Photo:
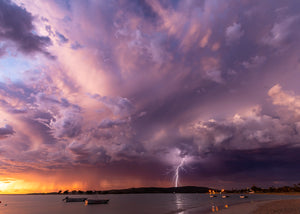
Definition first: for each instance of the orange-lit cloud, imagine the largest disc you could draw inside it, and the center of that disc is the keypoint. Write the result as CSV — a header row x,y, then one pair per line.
x,y
284,98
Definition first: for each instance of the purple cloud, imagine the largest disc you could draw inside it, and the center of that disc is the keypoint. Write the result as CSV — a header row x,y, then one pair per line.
x,y
155,82
76,45
6,131
234,32
16,25
61,38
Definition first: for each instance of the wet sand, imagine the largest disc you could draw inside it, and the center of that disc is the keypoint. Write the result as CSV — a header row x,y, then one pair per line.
x,y
290,206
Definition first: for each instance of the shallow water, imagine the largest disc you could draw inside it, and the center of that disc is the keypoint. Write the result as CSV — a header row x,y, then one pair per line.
x,y
124,203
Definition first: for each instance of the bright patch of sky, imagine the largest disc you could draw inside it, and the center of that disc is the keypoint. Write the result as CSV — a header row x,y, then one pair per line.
x,y
13,68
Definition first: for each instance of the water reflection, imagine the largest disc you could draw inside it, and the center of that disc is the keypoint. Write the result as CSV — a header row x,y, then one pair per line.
x,y
179,201
218,202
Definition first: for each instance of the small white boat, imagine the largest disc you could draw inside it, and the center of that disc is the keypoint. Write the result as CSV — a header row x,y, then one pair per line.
x,y
225,196
212,196
243,196
67,199
96,201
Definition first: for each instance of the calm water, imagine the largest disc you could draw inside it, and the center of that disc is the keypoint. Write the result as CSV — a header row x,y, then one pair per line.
x,y
123,204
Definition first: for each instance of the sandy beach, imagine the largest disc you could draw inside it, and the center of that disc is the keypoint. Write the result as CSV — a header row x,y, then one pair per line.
x,y
291,206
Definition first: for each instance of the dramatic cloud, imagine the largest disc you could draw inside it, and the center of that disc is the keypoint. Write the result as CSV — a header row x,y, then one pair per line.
x,y
6,131
242,132
282,98
16,25
282,30
136,86
61,38
234,32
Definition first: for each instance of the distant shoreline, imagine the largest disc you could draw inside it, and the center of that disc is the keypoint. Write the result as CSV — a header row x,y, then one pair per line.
x,y
285,190
116,192
141,190
150,190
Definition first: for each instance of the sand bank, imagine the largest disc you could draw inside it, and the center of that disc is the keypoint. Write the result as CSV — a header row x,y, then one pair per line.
x,y
290,206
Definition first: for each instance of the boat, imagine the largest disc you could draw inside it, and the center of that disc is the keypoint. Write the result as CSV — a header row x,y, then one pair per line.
x,y
67,199
225,196
212,196
96,201
243,196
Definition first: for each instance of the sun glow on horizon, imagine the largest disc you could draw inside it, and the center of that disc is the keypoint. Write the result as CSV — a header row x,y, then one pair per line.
x,y
36,184
19,186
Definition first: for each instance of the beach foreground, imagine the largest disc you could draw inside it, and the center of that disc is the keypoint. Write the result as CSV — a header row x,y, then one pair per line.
x,y
290,206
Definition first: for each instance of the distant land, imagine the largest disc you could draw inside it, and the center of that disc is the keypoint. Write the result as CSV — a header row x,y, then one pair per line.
x,y
185,189
141,190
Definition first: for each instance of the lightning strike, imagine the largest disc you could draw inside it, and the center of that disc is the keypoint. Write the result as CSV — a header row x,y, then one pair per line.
x,y
177,171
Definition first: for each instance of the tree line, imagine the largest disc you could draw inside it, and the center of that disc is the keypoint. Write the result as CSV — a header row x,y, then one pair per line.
x,y
294,188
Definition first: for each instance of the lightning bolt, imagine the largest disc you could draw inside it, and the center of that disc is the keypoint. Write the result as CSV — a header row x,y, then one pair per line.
x,y
177,171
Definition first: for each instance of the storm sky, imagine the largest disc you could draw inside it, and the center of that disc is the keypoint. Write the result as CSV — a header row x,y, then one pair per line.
x,y
115,93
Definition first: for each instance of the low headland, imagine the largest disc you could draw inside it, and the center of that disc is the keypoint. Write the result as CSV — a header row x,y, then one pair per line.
x,y
295,189
141,190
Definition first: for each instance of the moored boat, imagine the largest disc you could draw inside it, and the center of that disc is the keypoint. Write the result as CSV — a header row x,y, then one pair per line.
x,y
67,199
96,201
243,196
